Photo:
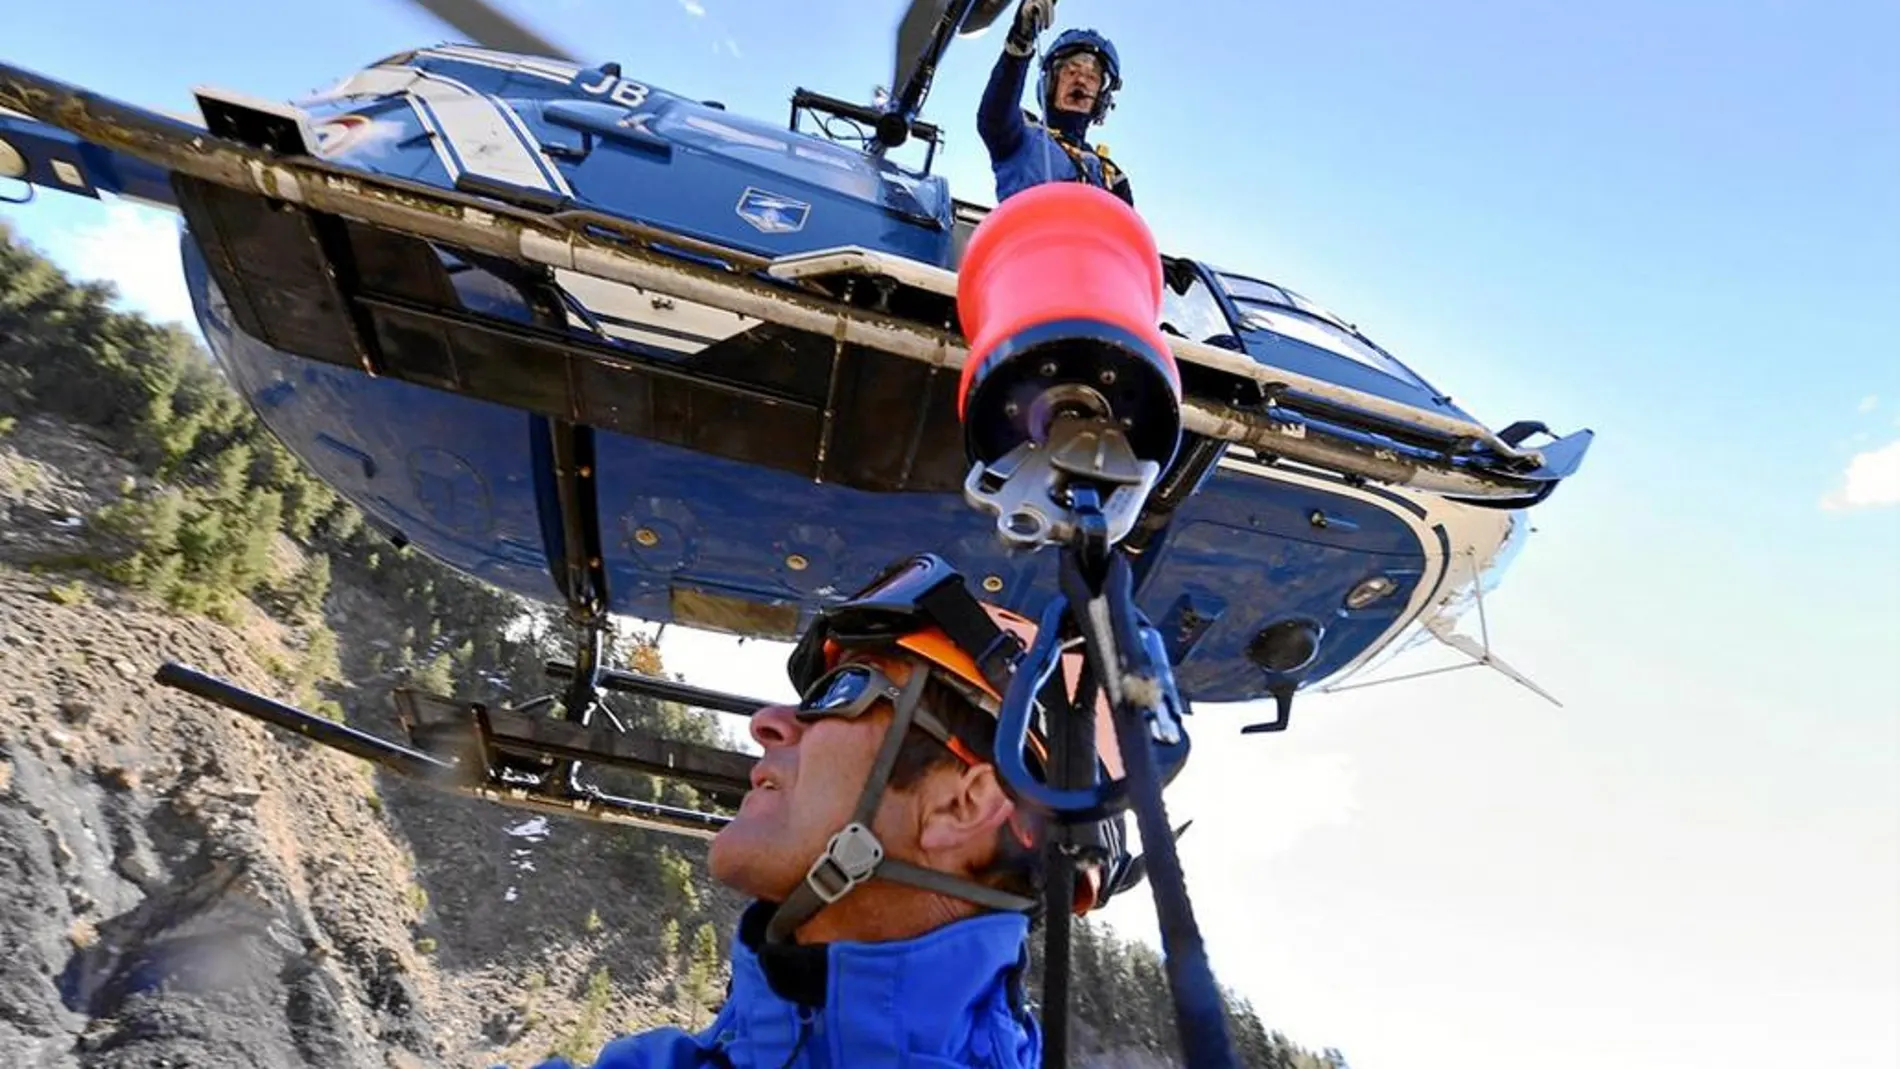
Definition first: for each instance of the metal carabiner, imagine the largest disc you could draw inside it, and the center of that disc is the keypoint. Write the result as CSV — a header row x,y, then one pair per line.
x,y
1068,806
1123,642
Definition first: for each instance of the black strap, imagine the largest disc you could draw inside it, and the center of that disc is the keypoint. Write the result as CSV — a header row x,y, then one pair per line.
x,y
854,854
1111,172
953,886
952,607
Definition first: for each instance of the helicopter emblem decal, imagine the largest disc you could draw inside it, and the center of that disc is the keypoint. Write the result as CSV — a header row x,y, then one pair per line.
x,y
771,213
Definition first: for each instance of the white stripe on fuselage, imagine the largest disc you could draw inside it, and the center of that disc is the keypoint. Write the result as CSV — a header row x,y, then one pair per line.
x,y
437,141
470,131
553,70
638,308
480,135
533,144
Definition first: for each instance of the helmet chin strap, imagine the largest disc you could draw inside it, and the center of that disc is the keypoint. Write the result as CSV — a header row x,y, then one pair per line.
x,y
855,855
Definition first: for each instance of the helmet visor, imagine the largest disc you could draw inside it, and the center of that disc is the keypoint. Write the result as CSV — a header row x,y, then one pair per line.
x,y
1082,63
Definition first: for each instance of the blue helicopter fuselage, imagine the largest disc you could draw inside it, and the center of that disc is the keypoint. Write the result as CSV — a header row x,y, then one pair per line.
x,y
705,538
619,145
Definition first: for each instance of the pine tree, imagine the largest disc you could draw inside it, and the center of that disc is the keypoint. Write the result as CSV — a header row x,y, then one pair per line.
x,y
702,970
309,586
669,945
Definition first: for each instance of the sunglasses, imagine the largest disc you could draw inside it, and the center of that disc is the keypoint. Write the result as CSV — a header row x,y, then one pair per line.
x,y
851,690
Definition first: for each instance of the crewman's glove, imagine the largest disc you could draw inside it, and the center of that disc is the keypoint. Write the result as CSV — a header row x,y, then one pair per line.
x,y
1032,17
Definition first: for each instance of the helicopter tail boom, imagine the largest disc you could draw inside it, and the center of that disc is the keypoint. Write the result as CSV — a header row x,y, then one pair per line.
x,y
40,155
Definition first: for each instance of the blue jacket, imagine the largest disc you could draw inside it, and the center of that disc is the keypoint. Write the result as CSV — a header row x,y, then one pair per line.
x,y
1025,153
952,997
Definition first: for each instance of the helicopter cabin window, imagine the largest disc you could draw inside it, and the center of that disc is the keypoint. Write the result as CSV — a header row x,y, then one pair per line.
x,y
1264,306
1190,310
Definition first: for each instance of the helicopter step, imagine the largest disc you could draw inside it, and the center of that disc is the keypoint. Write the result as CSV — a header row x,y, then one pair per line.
x,y
385,303
513,757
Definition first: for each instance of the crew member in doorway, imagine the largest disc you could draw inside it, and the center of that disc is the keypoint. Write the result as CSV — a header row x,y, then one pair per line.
x,y
1075,88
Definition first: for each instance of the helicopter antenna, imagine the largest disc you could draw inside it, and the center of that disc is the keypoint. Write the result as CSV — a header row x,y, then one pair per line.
x,y
1479,651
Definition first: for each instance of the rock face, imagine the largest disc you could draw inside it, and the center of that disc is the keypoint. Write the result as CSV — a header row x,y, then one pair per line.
x,y
182,886
176,886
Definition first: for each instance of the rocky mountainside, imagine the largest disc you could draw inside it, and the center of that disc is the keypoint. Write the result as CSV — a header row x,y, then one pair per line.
x,y
182,886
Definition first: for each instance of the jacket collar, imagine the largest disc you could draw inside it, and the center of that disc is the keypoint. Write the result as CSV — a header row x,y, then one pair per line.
x,y
953,992
796,972
1070,124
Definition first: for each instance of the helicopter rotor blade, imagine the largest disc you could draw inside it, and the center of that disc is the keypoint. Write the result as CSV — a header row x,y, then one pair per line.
x,y
490,27
924,33
916,32
981,16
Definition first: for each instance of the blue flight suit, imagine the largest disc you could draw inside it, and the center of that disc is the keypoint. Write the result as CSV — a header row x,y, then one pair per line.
x,y
951,997
1024,153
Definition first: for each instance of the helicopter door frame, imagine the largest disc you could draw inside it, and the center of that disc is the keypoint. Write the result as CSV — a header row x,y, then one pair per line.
x,y
1206,276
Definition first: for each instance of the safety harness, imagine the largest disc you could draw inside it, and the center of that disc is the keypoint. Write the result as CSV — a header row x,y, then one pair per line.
x,y
1080,154
1111,174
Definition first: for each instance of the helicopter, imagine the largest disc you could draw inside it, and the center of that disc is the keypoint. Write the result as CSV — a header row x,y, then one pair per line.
x,y
598,343
617,349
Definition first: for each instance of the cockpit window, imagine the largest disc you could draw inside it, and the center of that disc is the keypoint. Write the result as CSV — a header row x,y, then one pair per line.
x,y
1189,308
1248,289
1264,306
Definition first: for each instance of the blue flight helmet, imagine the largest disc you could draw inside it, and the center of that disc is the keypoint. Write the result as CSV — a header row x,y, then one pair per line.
x,y
1066,45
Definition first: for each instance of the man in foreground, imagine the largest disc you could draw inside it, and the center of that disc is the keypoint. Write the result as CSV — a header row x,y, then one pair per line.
x,y
895,875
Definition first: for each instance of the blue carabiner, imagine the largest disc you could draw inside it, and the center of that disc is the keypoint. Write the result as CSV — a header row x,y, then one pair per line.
x,y
1141,653
1170,757
1069,806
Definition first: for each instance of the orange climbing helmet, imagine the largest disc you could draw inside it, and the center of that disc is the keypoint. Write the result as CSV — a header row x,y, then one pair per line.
x,y
921,608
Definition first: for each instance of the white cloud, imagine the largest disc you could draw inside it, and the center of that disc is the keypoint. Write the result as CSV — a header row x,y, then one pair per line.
x,y
1872,479
693,8
136,249
733,47
1869,403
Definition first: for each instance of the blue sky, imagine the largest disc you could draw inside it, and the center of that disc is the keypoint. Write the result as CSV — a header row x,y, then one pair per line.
x,y
1678,225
